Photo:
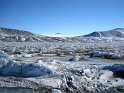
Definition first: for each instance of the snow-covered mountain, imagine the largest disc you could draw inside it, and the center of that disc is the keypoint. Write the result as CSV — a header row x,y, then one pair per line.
x,y
13,32
14,35
118,32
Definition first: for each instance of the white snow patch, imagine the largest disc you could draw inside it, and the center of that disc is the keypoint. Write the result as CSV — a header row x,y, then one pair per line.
x,y
106,75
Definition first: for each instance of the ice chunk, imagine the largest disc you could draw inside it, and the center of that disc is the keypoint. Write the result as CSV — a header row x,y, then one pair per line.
x,y
107,75
56,91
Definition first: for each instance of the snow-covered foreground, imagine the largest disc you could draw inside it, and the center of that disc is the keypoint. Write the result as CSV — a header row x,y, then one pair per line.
x,y
60,76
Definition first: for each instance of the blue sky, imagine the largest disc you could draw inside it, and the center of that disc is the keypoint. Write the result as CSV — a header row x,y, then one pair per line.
x,y
74,17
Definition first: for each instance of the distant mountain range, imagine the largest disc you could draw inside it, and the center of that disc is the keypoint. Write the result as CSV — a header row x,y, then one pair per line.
x,y
12,32
118,32
14,35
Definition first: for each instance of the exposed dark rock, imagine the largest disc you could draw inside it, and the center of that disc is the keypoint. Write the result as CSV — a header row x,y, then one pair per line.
x,y
119,73
60,54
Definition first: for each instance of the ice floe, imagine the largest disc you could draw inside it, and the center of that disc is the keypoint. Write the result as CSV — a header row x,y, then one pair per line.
x,y
62,76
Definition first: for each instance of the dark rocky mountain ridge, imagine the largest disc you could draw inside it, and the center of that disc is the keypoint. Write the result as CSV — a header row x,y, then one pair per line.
x,y
14,35
13,32
118,32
